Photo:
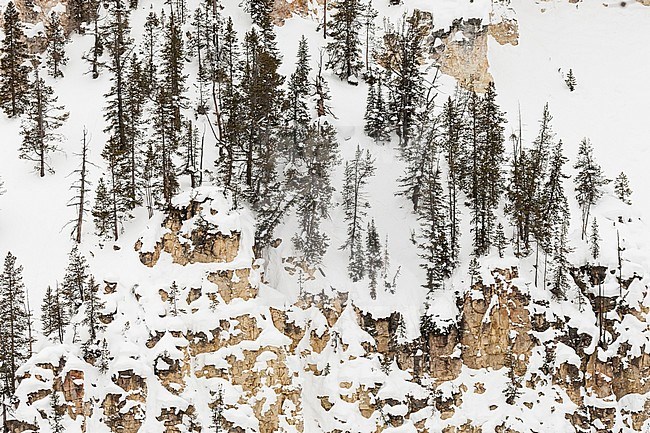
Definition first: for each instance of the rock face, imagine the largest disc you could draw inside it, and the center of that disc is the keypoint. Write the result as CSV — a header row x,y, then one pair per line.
x,y
217,355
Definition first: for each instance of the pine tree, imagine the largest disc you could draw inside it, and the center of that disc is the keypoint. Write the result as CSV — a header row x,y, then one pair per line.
x,y
73,289
374,259
133,104
42,119
217,411
368,20
116,151
14,74
357,172
149,182
313,190
622,188
102,212
500,240
571,80
433,241
150,49
260,11
93,305
321,91
345,50
589,181
297,115
376,118
81,187
512,390
595,240
55,407
56,40
13,321
525,193
96,51
104,357
174,293
401,56
560,266
451,124
54,316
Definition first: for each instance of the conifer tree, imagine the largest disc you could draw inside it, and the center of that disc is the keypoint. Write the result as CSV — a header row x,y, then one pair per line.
x,y
622,188
368,20
96,51
260,11
150,49
345,49
81,187
116,151
55,407
133,104
105,224
401,56
54,316
560,266
149,181
525,193
376,118
589,181
14,74
13,321
42,119
56,40
321,91
451,123
297,115
217,411
500,240
595,240
313,191
93,305
174,293
173,78
433,242
104,357
73,289
374,259
571,80
356,175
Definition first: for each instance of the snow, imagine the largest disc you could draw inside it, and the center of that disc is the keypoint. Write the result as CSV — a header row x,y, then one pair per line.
x,y
604,46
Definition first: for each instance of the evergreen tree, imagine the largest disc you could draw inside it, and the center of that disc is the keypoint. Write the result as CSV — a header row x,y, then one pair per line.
x,y
321,91
43,117
297,115
500,240
96,51
525,193
13,321
149,182
368,20
56,40
589,181
217,411
374,259
150,49
433,242
451,124
595,240
55,406
174,293
357,172
54,316
73,289
260,11
81,187
93,305
401,56
512,390
345,50
560,266
133,104
105,224
377,125
571,80
313,191
14,74
173,78
622,188
116,151
104,357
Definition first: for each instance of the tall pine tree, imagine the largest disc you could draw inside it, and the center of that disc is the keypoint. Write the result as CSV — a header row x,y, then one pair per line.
x,y
14,73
